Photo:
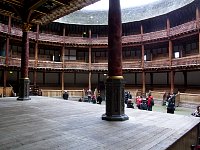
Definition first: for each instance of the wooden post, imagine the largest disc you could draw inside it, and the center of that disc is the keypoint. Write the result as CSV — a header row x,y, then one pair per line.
x,y
143,82
115,80
63,81
24,80
168,27
170,52
172,81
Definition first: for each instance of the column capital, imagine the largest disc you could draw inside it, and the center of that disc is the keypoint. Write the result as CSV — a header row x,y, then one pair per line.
x,y
26,27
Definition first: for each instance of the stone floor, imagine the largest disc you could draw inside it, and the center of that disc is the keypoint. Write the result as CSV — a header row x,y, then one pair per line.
x,y
53,123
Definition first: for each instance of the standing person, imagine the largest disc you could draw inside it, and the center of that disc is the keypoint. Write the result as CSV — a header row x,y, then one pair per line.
x,y
171,104
150,102
99,99
164,98
89,94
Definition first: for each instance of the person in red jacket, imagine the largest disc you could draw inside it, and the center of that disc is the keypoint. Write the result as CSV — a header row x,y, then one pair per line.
x,y
150,102
139,101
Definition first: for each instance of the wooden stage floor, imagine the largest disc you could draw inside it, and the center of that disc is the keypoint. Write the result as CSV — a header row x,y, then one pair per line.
x,y
53,123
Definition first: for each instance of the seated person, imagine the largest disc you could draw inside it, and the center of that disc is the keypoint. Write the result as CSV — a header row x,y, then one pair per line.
x,y
197,112
139,101
65,95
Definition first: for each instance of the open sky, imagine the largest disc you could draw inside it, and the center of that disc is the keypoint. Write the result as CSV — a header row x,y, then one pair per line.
x,y
103,4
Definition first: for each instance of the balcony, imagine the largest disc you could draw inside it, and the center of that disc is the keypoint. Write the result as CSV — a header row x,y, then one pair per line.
x,y
190,61
43,37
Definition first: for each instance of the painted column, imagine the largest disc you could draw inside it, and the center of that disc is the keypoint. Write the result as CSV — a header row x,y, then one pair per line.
x,y
143,72
198,25
36,56
63,81
7,55
24,80
172,81
115,81
90,73
170,64
90,63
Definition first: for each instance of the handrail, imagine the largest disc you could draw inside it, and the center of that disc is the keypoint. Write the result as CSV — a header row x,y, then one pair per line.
x,y
177,30
127,64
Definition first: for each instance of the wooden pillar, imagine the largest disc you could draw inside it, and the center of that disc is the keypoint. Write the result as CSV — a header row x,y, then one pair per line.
x,y
89,85
143,82
199,42
168,27
5,74
172,81
143,72
63,81
115,80
170,64
8,41
170,52
24,80
34,78
197,16
90,73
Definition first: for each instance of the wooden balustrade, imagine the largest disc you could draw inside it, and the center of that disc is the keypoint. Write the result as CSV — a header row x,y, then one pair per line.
x,y
157,63
164,63
99,40
99,66
132,65
155,35
186,61
51,38
15,62
76,65
132,39
2,60
77,40
3,28
186,27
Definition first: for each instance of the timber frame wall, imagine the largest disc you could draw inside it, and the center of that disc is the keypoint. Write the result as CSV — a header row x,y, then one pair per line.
x,y
146,50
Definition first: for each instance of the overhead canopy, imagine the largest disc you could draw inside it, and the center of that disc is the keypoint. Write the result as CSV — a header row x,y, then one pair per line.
x,y
100,17
41,11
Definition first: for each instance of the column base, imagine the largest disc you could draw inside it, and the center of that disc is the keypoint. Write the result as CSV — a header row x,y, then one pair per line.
x,y
115,117
24,89
115,100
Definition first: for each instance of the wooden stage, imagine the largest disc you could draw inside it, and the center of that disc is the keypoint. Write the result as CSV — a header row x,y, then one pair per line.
x,y
54,123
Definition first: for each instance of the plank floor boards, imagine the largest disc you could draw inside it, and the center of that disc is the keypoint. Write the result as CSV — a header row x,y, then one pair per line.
x,y
54,123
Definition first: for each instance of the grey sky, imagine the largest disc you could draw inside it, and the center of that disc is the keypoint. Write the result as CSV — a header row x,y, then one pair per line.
x,y
103,4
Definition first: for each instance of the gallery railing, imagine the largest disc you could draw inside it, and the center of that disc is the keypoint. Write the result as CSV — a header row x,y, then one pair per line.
x,y
183,28
189,61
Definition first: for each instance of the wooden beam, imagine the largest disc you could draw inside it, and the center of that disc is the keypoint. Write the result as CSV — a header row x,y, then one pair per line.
x,y
37,4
